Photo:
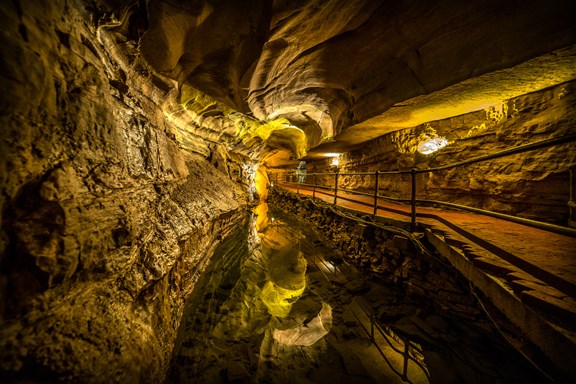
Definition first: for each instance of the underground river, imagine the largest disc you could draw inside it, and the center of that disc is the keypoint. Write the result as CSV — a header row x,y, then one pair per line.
x,y
276,306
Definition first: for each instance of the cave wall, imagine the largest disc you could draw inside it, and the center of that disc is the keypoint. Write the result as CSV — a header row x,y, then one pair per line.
x,y
534,184
110,213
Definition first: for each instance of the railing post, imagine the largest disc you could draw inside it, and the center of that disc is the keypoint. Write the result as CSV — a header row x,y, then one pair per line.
x,y
335,185
376,190
297,183
372,327
313,185
406,358
413,200
572,201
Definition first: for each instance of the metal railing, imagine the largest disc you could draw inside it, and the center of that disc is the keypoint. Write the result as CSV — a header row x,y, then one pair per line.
x,y
375,193
410,352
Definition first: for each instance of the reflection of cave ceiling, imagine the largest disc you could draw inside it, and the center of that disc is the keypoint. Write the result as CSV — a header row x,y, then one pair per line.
x,y
347,71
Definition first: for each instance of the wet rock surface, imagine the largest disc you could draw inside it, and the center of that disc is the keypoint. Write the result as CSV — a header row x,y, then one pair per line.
x,y
107,219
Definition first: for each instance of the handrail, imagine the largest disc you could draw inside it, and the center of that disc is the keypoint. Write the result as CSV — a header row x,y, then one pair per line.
x,y
520,220
408,346
410,350
356,173
413,198
506,152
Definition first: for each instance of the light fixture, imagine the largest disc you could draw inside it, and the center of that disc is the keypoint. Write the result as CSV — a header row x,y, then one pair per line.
x,y
335,161
432,145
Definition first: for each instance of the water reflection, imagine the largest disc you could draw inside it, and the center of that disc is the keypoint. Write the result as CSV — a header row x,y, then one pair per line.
x,y
281,321
291,316
305,321
301,325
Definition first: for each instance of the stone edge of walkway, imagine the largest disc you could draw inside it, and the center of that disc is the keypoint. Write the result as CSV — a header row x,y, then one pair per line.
x,y
553,341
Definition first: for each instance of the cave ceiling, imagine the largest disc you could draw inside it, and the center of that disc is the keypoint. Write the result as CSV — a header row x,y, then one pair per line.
x,y
347,71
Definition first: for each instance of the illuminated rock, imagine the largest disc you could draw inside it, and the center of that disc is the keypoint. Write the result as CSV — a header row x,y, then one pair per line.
x,y
279,300
132,131
306,334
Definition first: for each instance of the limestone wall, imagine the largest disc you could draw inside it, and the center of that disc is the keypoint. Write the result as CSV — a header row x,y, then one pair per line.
x,y
533,185
110,212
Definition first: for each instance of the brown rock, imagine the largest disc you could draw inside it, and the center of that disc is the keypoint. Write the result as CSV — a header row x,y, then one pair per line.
x,y
562,309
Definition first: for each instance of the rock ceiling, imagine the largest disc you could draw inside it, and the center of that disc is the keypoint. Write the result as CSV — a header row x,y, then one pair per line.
x,y
348,71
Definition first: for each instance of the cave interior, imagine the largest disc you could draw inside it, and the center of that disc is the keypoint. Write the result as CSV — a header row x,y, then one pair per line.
x,y
138,138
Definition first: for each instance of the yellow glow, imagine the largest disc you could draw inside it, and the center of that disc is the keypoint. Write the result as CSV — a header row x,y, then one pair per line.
x,y
279,300
247,128
289,126
476,129
335,161
261,181
261,212
314,112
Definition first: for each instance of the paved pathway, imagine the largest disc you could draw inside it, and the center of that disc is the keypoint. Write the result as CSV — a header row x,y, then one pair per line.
x,y
539,266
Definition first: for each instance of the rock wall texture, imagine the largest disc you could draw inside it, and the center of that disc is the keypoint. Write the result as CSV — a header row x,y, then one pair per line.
x,y
329,66
533,184
110,210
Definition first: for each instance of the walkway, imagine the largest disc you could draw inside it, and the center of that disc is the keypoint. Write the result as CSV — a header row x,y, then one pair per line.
x,y
528,273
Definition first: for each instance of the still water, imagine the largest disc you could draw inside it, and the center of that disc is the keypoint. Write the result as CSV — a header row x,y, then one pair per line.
x,y
272,308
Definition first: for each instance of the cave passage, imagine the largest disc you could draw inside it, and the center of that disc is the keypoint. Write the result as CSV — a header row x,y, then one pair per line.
x,y
278,306
138,136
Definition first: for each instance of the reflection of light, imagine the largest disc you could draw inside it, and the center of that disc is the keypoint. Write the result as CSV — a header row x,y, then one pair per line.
x,y
330,154
432,145
279,300
292,127
272,184
335,161
306,334
272,219
329,266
